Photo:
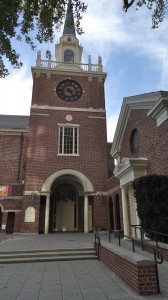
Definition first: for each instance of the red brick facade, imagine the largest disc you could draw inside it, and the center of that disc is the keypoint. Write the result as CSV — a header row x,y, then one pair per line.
x,y
153,141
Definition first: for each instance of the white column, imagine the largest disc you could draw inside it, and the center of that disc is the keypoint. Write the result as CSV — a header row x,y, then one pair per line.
x,y
47,210
125,212
132,210
137,218
86,207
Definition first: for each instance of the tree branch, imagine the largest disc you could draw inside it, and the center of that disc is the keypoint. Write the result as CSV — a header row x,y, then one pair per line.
x,y
127,4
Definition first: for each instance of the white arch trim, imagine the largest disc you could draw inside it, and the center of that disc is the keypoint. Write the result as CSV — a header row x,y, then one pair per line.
x,y
86,183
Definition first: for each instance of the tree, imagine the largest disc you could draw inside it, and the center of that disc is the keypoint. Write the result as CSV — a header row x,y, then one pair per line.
x,y
20,18
151,193
158,8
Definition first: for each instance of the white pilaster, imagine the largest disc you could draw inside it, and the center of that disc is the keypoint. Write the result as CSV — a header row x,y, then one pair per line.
x,y
86,219
47,210
125,212
137,218
132,210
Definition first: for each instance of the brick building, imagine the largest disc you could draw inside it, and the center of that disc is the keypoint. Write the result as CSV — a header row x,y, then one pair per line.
x,y
56,170
54,165
140,147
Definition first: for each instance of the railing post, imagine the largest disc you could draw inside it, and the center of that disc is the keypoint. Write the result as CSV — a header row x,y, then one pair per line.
x,y
133,245
142,233
109,236
98,248
119,239
157,275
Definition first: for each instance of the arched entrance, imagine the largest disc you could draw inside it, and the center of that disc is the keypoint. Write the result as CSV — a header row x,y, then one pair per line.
x,y
67,205
64,209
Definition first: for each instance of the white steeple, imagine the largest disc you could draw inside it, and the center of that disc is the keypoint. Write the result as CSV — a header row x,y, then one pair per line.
x,y
68,49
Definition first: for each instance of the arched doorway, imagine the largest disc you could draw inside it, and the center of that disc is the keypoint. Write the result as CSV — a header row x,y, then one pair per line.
x,y
117,207
111,213
64,209
68,203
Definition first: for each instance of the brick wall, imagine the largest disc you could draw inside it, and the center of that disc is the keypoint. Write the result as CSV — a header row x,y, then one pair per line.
x,y
153,141
29,202
44,91
12,171
135,270
101,214
43,148
42,158
110,160
11,168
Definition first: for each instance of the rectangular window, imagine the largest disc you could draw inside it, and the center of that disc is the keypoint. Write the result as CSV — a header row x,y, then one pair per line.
x,y
68,140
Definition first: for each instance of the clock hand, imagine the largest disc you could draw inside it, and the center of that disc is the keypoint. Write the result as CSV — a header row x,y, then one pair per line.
x,y
70,91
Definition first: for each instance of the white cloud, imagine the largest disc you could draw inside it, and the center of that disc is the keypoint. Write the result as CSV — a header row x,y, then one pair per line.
x,y
107,27
111,127
16,92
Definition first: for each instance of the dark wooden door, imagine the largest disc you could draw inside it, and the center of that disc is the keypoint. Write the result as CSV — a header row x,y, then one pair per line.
x,y
10,222
42,214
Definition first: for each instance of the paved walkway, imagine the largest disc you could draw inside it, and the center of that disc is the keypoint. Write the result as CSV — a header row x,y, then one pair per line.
x,y
70,280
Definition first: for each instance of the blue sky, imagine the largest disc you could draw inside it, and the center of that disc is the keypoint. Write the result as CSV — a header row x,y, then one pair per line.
x,y
134,56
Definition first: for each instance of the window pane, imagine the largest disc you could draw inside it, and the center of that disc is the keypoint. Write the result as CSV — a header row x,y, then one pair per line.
x,y
68,140
76,141
68,56
134,141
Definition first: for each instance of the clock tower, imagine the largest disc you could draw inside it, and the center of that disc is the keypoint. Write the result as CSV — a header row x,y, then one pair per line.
x,y
66,165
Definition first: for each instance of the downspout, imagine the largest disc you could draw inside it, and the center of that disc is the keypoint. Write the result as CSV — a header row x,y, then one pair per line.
x,y
20,156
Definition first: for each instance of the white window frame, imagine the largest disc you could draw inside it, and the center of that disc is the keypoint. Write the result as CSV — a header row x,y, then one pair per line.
x,y
61,149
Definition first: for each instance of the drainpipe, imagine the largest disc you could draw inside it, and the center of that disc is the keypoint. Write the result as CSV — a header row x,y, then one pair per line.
x,y
20,156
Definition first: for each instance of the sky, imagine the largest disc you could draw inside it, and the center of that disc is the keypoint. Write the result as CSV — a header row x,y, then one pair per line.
x,y
134,56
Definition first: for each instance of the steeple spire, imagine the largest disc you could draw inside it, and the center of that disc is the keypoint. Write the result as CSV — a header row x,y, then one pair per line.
x,y
69,27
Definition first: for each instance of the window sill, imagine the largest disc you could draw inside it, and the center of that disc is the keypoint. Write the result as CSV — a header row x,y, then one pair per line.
x,y
67,154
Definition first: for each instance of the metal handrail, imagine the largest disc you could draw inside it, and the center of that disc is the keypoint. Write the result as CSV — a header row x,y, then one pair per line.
x,y
156,235
158,256
97,242
156,250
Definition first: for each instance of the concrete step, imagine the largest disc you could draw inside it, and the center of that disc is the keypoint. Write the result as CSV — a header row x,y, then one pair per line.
x,y
47,255
48,250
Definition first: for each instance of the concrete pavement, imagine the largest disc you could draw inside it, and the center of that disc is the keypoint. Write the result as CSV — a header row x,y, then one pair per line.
x,y
70,280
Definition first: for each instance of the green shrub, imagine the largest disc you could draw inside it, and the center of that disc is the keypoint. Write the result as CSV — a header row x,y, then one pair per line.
x,y
151,193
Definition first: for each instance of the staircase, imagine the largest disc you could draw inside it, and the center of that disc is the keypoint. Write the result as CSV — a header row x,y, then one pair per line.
x,y
47,255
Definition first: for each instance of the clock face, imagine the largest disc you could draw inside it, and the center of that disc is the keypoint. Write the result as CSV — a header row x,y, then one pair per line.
x,y
69,90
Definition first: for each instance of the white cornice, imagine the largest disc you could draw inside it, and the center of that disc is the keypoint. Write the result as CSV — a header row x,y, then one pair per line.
x,y
7,131
144,101
129,169
160,110
47,107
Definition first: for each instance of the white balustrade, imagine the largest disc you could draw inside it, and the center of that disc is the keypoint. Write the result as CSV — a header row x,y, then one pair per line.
x,y
69,66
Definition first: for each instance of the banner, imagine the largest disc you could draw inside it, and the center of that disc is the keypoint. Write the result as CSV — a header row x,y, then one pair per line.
x,y
5,190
